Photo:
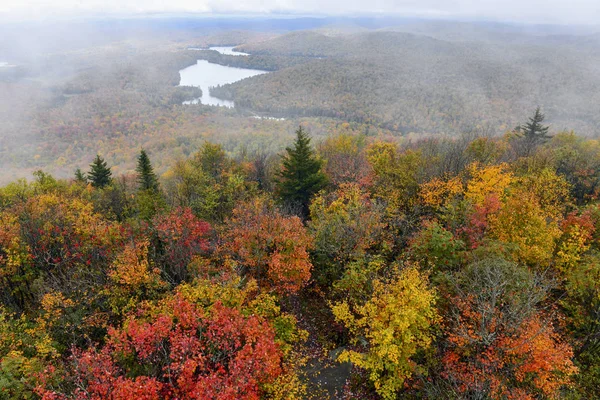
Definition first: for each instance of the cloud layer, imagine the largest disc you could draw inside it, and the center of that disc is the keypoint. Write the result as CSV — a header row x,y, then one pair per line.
x,y
541,11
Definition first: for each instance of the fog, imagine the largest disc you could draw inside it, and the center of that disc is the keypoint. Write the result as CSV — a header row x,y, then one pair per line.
x,y
103,76
537,11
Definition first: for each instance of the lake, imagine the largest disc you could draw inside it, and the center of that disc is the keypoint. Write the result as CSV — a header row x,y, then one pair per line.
x,y
227,50
206,75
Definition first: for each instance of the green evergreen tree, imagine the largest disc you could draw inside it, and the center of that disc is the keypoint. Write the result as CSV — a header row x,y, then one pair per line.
x,y
99,175
533,133
301,176
80,176
147,179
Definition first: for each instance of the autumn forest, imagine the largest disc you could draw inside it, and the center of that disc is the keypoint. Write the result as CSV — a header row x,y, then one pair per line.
x,y
322,242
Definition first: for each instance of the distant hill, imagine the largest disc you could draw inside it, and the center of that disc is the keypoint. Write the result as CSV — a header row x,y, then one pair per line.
x,y
110,86
341,29
418,83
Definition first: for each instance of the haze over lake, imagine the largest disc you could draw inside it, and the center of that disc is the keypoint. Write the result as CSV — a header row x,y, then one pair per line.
x,y
227,50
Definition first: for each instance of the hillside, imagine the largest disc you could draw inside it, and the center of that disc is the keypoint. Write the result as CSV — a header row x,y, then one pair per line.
x,y
416,83
117,93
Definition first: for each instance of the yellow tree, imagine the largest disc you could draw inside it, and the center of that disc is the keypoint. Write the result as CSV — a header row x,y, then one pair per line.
x,y
522,222
346,225
396,175
487,180
438,193
551,190
576,240
133,278
396,324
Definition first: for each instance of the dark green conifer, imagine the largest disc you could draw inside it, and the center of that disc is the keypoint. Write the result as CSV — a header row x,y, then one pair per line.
x,y
80,176
99,175
533,133
147,179
301,176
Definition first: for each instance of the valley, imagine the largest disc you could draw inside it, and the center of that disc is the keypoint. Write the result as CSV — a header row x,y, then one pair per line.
x,y
285,204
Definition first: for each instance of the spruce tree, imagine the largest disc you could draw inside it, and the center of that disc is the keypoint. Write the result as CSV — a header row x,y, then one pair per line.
x,y
147,179
99,175
533,133
80,176
301,176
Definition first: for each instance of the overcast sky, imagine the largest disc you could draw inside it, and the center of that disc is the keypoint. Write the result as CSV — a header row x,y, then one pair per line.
x,y
541,11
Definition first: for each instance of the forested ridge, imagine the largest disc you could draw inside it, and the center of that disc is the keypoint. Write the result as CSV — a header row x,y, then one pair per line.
x,y
118,93
442,268
417,83
113,96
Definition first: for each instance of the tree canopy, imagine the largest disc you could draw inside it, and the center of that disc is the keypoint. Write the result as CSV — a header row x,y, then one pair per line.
x,y
147,179
443,268
99,174
301,175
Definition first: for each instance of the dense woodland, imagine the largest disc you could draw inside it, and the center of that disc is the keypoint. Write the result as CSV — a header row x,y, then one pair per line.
x,y
111,91
417,83
461,268
114,97
413,228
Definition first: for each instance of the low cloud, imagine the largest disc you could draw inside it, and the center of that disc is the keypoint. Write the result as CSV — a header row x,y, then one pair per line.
x,y
539,11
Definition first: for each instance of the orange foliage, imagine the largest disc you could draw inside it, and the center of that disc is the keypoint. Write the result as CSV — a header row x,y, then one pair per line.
x,y
506,363
438,192
132,268
269,247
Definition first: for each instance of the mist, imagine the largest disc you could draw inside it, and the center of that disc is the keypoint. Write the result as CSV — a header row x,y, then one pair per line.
x,y
79,85
530,11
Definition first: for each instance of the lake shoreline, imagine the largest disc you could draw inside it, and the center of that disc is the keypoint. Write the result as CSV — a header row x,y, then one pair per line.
x,y
206,75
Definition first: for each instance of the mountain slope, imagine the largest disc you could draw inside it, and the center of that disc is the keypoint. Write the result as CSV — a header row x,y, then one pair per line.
x,y
416,83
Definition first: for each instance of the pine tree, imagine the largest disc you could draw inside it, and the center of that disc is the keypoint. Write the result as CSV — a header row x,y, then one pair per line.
x,y
533,133
99,175
146,177
80,176
301,176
